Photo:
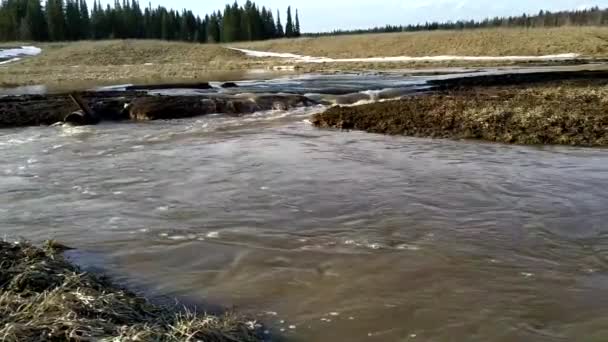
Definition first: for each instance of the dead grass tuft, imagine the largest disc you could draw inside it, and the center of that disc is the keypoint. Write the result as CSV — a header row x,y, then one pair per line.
x,y
45,298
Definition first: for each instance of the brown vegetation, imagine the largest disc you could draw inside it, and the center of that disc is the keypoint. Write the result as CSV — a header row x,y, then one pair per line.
x,y
142,60
45,298
587,41
123,61
571,114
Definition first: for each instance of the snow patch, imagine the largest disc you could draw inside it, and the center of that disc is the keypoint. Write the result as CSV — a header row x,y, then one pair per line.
x,y
311,59
15,54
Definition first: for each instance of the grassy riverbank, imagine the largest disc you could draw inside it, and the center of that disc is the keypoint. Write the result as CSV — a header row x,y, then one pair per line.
x,y
572,113
45,298
587,41
142,60
122,60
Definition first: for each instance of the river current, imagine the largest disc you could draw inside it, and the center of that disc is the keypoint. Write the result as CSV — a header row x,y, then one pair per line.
x,y
326,235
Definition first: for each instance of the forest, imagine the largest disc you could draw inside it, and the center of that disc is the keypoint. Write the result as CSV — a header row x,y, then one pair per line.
x,y
587,17
70,20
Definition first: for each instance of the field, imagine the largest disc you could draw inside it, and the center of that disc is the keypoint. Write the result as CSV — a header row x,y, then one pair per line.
x,y
142,61
587,41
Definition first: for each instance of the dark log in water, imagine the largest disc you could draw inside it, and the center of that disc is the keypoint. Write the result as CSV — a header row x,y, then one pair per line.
x,y
92,107
34,110
203,85
229,85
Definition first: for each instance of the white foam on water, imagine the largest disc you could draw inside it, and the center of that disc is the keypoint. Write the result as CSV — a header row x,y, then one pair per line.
x,y
408,247
311,59
213,235
182,237
17,141
68,130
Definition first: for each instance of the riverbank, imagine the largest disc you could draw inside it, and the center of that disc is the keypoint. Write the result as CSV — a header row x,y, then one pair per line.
x,y
91,107
45,297
565,113
120,61
186,100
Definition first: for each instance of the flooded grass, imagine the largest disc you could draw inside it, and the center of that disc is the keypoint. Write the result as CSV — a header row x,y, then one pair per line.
x,y
45,298
573,113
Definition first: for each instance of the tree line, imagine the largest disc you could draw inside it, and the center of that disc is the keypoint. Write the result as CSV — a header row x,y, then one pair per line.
x,y
588,17
63,20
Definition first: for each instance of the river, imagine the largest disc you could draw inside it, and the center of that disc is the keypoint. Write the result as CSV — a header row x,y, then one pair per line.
x,y
326,235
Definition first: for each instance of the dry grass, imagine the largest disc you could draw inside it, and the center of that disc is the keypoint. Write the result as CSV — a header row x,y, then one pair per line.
x,y
588,41
574,113
45,298
123,60
117,61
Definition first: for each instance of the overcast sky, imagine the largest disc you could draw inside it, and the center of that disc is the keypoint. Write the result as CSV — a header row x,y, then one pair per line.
x,y
326,15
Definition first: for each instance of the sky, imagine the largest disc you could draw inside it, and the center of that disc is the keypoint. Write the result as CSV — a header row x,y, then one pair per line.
x,y
327,15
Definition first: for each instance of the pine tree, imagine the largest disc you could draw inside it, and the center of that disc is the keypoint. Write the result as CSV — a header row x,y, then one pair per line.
x,y
289,29
280,32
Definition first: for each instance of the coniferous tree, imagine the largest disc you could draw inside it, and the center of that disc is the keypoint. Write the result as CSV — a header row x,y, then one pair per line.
x,y
297,26
269,27
165,25
36,21
213,29
72,20
55,19
280,32
85,20
289,29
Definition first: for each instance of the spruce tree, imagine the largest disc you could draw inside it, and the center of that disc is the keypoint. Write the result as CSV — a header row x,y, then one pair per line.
x,y
85,20
280,32
165,26
213,29
72,20
289,29
36,21
55,20
297,27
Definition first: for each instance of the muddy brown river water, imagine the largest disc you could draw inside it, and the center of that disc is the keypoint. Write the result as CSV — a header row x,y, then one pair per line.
x,y
327,235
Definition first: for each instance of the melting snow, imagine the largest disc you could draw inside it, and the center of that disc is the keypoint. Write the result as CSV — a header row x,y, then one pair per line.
x,y
311,59
15,54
